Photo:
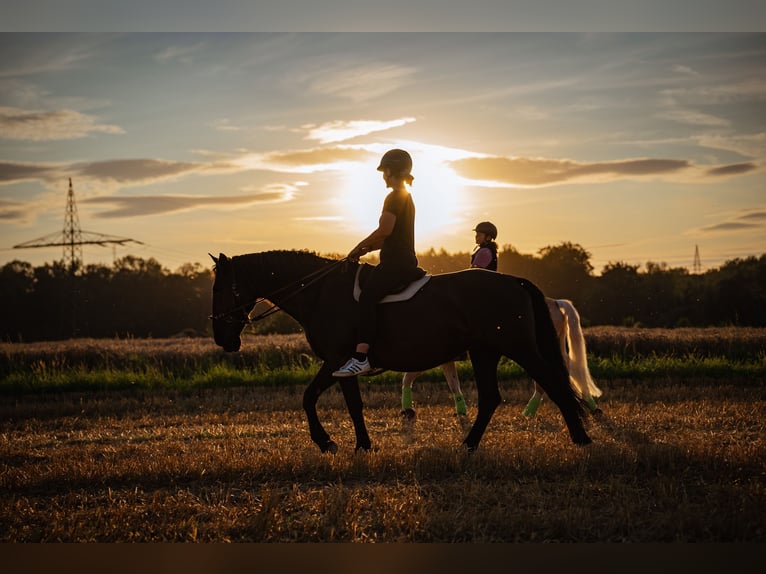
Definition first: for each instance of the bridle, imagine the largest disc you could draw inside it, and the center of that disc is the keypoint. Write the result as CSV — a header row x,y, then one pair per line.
x,y
290,290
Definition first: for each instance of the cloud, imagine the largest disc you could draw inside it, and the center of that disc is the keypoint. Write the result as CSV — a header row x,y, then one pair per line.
x,y
691,117
11,210
730,226
136,170
733,169
139,206
17,172
344,130
749,220
305,161
358,83
38,125
685,70
747,145
538,171
178,53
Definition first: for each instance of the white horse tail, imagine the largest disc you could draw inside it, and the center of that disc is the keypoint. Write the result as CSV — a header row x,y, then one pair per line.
x,y
578,359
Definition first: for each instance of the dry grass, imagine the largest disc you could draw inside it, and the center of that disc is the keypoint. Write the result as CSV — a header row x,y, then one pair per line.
x,y
683,461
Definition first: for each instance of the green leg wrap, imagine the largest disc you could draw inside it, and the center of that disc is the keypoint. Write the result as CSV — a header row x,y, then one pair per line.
x,y
591,404
460,404
532,405
406,398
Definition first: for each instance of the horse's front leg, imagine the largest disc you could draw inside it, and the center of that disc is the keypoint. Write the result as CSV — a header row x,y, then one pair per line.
x,y
485,370
353,397
320,383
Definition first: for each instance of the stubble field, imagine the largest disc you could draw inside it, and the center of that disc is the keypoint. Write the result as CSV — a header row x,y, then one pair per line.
x,y
140,456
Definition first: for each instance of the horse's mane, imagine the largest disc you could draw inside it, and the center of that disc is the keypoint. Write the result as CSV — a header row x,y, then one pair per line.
x,y
293,255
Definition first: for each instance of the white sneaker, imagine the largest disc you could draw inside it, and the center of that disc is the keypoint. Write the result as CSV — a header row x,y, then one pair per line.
x,y
353,367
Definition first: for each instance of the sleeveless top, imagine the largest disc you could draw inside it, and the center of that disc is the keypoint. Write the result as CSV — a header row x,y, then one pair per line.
x,y
399,247
488,247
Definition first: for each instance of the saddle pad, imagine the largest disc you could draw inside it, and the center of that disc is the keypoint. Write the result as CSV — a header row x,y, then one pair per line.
x,y
403,295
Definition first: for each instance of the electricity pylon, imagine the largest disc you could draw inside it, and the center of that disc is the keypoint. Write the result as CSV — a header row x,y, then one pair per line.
x,y
697,265
73,238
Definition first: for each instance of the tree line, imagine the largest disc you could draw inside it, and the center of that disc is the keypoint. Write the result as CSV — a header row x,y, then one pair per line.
x,y
138,297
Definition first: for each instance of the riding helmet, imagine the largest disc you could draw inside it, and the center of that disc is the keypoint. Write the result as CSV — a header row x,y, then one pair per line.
x,y
487,228
398,160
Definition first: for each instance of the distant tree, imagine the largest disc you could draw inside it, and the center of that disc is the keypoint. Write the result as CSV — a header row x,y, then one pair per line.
x,y
616,295
565,271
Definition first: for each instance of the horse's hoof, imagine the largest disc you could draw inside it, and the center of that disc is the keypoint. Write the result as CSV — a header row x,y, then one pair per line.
x,y
583,440
408,414
364,449
597,412
330,447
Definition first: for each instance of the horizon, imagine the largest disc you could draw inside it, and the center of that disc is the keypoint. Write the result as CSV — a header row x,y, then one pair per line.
x,y
639,147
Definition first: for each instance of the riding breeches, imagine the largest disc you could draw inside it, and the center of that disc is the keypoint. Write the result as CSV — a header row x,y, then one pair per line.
x,y
383,279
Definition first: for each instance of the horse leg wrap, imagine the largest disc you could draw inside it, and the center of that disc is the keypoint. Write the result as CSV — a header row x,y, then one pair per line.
x,y
533,405
591,403
406,398
460,407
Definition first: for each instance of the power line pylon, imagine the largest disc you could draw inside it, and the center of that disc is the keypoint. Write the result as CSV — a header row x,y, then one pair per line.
x,y
72,234
73,238
697,265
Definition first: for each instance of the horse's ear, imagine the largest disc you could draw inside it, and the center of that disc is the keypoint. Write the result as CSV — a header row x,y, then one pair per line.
x,y
215,260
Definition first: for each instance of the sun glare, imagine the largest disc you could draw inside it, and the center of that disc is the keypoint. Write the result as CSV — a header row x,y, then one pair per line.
x,y
436,192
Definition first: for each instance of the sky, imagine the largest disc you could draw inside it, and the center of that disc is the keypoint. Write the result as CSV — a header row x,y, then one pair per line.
x,y
637,146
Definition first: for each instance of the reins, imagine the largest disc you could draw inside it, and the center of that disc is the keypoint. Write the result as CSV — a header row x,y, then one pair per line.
x,y
297,286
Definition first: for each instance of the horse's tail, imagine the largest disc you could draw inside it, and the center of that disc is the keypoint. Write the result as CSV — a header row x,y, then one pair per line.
x,y
550,348
578,359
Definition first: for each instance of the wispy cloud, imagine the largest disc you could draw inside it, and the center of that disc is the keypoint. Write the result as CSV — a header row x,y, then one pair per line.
x,y
37,125
357,82
531,172
16,172
306,161
181,54
747,145
139,206
733,169
692,117
11,210
48,56
748,220
136,170
340,130
110,172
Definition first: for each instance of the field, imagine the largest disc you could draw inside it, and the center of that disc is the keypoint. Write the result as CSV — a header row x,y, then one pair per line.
x,y
170,440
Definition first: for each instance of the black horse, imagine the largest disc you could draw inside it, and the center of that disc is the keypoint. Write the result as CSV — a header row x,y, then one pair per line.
x,y
488,314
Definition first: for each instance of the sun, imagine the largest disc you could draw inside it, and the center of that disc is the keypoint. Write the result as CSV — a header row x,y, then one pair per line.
x,y
437,192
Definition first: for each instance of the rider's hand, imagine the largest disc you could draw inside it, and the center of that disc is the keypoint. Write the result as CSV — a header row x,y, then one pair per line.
x,y
356,253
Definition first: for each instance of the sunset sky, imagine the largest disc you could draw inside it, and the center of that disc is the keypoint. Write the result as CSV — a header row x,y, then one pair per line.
x,y
637,146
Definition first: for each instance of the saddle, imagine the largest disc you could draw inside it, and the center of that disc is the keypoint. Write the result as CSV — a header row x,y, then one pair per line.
x,y
401,293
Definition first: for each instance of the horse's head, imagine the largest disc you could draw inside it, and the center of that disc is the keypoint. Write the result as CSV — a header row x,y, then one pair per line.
x,y
230,306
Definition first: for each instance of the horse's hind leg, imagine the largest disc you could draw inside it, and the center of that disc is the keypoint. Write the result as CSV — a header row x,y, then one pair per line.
x,y
485,370
534,401
556,385
407,380
453,381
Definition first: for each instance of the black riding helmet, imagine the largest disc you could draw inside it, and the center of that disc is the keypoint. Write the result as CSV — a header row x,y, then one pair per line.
x,y
398,160
487,228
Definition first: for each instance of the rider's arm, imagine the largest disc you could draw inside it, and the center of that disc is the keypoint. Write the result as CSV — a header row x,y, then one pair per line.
x,y
375,239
